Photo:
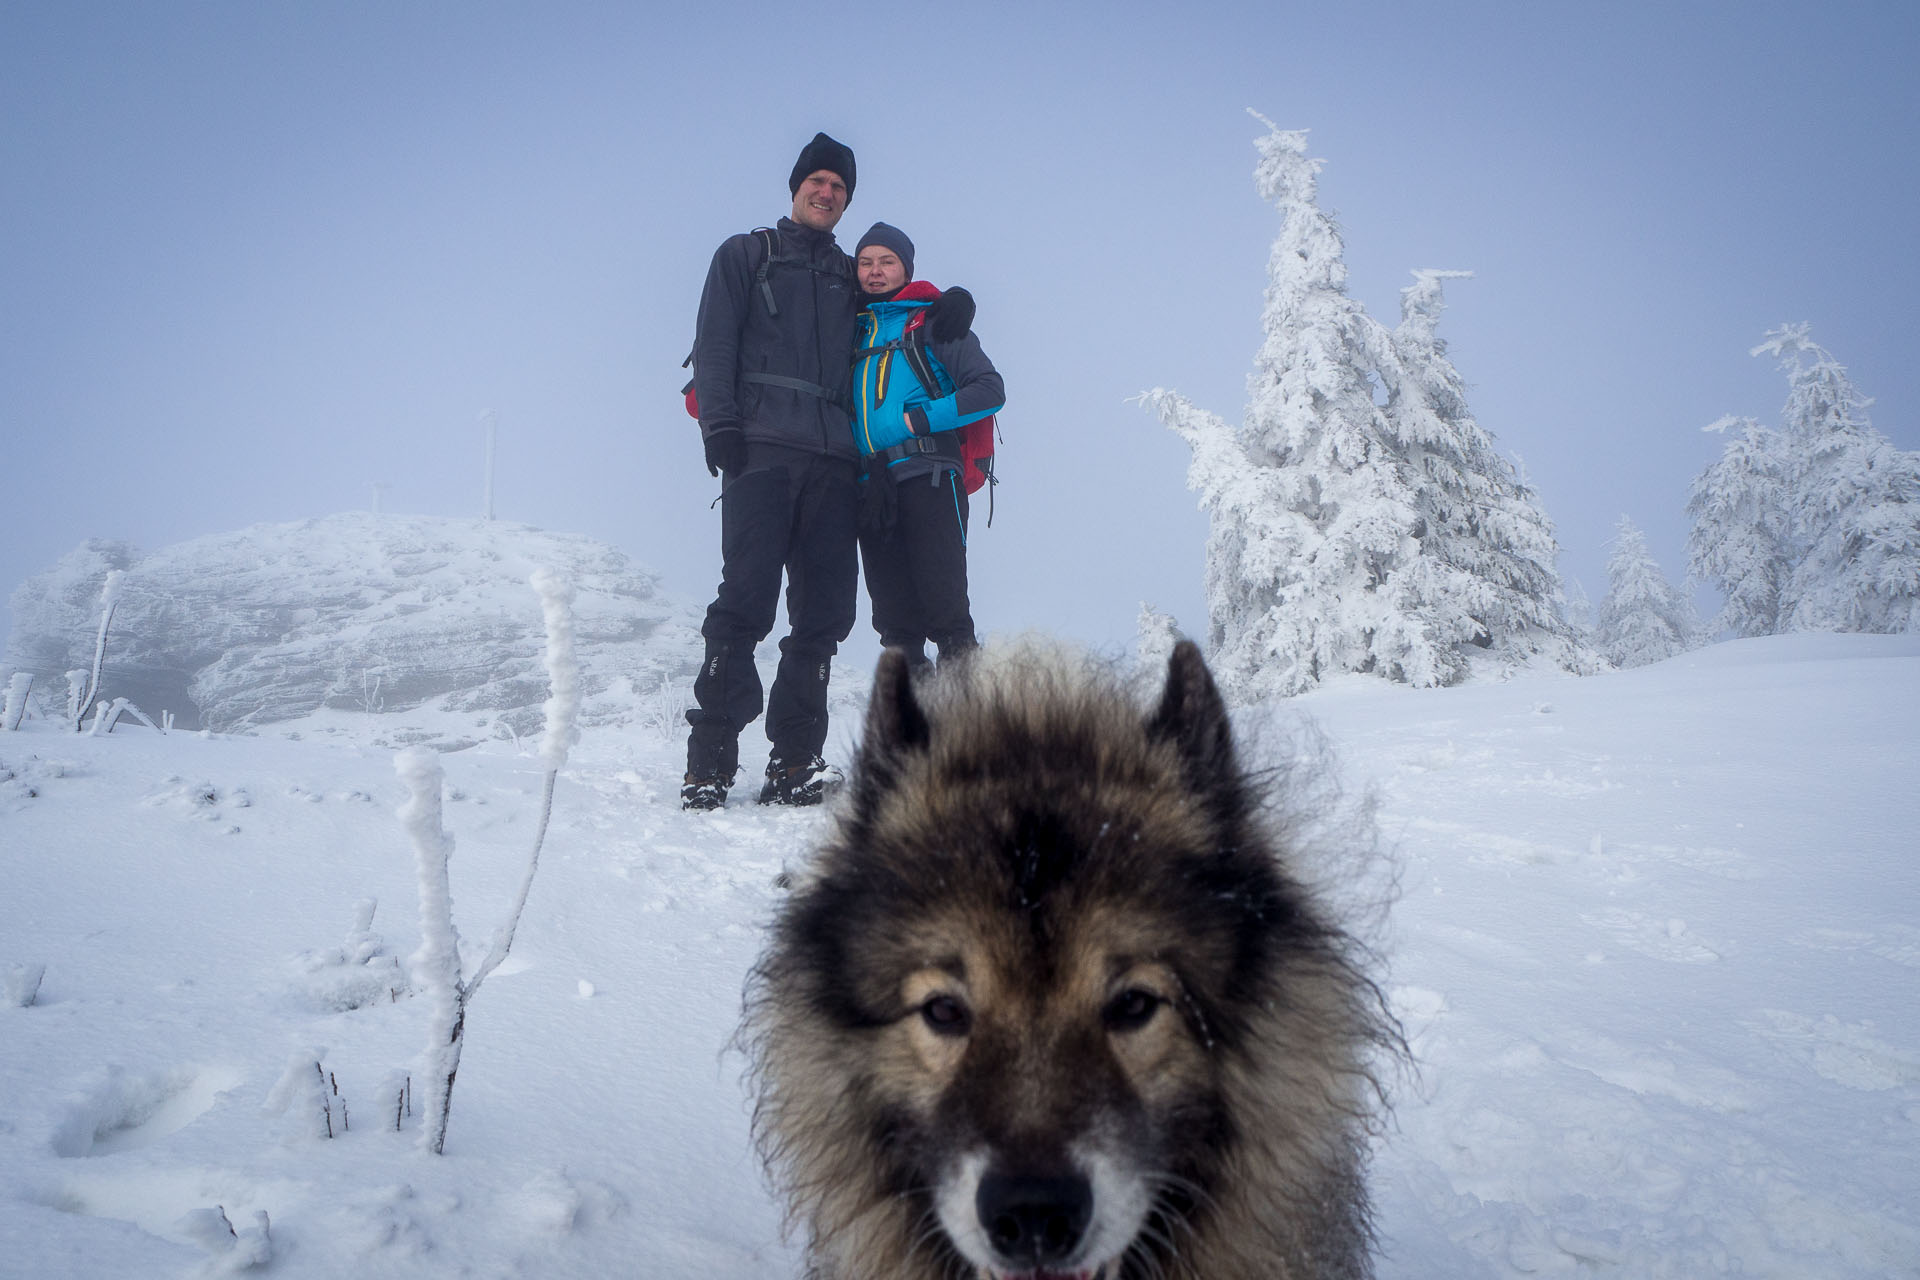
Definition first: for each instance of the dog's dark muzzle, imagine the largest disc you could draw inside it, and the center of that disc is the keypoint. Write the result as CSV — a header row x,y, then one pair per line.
x,y
1033,1222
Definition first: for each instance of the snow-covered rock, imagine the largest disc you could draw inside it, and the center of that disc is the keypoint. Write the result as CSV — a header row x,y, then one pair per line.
x,y
429,621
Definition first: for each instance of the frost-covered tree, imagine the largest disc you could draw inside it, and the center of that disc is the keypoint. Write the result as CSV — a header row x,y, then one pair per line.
x,y
1481,521
1579,608
1815,526
1856,500
1310,510
1742,538
1342,508
1642,619
1156,634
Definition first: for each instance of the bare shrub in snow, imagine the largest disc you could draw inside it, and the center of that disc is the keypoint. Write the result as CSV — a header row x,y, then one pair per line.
x,y
665,713
357,973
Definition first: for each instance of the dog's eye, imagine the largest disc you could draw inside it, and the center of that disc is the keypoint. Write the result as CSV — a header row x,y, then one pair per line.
x,y
946,1015
1131,1009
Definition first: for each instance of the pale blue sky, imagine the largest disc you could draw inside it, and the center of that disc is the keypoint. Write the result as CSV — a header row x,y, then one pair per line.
x,y
255,258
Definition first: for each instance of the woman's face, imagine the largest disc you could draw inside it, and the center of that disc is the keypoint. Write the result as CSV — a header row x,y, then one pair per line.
x,y
880,269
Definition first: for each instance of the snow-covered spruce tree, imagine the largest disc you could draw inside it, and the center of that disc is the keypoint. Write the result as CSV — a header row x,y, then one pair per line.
x,y
1856,500
1310,511
1643,618
1482,526
1332,546
1742,539
1816,526
1156,633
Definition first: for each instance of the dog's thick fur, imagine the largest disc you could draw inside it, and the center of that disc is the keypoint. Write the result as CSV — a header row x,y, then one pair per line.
x,y
1051,1003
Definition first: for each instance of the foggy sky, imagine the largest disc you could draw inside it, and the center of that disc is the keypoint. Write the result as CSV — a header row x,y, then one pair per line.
x,y
256,259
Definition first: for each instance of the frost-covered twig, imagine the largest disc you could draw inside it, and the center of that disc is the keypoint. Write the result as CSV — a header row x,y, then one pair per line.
x,y
103,722
76,695
109,600
233,1251
562,731
17,690
22,984
437,964
302,1091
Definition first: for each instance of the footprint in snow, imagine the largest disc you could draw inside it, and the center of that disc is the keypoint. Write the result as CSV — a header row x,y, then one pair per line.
x,y
125,1112
1848,1054
1656,937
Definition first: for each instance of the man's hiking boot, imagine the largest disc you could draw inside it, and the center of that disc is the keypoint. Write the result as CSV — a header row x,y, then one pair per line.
x,y
807,781
704,793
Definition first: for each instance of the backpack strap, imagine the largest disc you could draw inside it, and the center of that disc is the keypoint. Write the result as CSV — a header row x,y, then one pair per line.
x,y
770,254
795,384
768,241
915,353
912,346
917,447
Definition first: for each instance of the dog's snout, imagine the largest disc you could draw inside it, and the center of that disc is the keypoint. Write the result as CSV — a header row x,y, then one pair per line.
x,y
1033,1221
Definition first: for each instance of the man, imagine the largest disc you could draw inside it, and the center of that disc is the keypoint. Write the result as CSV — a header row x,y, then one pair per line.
x,y
771,349
912,394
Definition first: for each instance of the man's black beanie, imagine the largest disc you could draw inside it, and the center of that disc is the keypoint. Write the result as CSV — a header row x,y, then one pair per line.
x,y
823,153
889,237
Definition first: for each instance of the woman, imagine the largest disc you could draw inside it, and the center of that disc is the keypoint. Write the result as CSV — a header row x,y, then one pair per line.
x,y
911,397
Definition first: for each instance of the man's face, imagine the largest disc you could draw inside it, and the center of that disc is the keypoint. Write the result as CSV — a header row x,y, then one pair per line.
x,y
820,201
880,269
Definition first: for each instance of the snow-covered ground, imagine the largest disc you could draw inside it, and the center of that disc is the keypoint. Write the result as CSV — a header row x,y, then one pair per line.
x,y
1656,948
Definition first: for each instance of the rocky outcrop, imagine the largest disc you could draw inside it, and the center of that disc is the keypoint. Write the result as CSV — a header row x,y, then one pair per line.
x,y
360,612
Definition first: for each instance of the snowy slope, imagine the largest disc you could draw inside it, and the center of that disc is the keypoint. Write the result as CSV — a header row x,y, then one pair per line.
x,y
1655,947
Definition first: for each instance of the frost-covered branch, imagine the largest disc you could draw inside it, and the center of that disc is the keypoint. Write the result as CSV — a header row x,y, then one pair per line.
x,y
436,965
17,690
562,731
109,600
21,986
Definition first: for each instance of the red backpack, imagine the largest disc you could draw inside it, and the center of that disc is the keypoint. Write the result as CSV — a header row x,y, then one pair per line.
x,y
976,437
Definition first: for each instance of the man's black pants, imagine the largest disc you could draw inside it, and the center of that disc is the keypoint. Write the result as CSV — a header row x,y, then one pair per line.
x,y
792,513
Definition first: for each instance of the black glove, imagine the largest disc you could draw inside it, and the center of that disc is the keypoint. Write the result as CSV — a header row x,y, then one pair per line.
x,y
726,450
879,500
950,315
917,420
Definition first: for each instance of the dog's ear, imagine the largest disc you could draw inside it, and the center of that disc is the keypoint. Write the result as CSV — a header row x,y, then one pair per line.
x,y
895,722
1193,717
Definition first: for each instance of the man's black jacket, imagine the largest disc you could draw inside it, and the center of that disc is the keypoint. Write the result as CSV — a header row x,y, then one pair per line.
x,y
807,338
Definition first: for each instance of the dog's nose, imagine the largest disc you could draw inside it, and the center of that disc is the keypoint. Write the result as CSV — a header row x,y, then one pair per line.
x,y
1033,1221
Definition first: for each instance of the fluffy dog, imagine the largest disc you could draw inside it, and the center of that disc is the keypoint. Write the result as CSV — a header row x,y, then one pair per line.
x,y
1051,1005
